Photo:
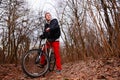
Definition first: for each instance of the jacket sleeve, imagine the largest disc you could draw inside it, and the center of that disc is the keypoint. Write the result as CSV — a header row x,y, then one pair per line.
x,y
54,24
43,36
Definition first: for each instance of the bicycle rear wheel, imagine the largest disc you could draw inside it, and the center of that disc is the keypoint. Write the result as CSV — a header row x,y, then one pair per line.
x,y
31,67
52,62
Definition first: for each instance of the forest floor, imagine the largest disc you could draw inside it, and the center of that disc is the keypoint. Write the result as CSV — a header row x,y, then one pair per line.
x,y
100,69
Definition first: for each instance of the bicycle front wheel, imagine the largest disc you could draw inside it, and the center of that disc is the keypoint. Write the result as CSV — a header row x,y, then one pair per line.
x,y
33,68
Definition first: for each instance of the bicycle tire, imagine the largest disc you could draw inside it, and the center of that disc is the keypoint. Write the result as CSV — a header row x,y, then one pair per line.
x,y
52,62
31,68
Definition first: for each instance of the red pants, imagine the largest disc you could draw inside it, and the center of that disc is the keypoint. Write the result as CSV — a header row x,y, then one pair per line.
x,y
56,46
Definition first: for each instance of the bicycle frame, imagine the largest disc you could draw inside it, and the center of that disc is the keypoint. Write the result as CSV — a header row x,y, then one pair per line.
x,y
44,47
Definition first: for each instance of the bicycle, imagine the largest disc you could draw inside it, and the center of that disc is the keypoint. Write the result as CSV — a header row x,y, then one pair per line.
x,y
31,60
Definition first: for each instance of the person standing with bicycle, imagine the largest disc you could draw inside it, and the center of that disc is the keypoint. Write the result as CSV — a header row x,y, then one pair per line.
x,y
52,33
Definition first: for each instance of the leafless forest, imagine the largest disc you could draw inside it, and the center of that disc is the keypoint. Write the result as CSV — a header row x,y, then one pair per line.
x,y
93,29
90,30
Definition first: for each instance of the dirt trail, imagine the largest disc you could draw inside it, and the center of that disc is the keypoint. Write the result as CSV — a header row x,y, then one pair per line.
x,y
102,69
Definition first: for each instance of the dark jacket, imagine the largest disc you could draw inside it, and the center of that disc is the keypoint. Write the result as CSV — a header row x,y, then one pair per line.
x,y
54,32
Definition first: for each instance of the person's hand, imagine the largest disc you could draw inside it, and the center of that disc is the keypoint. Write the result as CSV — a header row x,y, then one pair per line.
x,y
48,29
41,37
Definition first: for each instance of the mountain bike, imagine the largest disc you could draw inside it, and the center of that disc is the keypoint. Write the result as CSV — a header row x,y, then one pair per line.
x,y
31,60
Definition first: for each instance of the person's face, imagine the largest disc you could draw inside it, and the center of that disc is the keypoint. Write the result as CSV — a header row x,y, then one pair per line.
x,y
48,17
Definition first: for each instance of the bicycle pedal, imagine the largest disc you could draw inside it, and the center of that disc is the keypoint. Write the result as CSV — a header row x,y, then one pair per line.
x,y
41,66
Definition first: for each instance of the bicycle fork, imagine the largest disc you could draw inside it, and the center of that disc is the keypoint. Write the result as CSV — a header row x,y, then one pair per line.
x,y
37,60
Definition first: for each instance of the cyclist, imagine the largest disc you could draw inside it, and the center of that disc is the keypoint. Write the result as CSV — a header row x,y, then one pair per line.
x,y
52,33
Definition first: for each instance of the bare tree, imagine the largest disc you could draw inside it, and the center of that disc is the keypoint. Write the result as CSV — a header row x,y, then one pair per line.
x,y
73,21
107,24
